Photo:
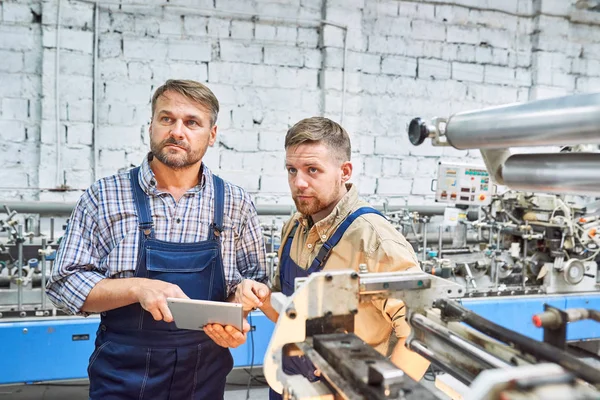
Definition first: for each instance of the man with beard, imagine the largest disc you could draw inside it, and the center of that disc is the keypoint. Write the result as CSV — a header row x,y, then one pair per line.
x,y
168,228
334,230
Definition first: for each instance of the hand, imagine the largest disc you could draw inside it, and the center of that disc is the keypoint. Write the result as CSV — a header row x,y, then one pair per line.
x,y
251,294
227,336
152,295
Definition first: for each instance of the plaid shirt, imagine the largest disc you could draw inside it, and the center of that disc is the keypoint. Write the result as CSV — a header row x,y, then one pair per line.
x,y
102,238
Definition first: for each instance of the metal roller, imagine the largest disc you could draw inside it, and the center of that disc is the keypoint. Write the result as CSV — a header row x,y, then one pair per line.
x,y
575,173
565,120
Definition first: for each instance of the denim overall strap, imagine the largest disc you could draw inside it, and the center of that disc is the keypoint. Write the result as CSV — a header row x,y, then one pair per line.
x,y
219,204
143,206
321,258
288,270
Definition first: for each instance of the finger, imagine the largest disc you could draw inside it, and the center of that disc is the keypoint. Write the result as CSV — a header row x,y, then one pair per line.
x,y
215,338
221,335
156,314
251,298
235,337
238,340
245,326
164,309
261,293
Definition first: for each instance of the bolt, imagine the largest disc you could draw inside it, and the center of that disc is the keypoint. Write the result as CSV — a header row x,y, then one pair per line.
x,y
328,277
354,275
362,268
354,311
291,313
25,330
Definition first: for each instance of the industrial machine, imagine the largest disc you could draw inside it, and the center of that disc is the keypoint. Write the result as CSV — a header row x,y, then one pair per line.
x,y
26,259
529,253
519,243
496,362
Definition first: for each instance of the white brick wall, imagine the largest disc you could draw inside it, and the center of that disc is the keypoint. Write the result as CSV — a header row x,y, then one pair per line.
x,y
404,59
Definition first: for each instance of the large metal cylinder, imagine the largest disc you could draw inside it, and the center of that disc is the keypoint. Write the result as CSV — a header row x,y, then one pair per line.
x,y
559,121
575,173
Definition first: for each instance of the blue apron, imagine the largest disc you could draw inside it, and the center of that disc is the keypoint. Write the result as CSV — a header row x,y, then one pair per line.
x,y
289,271
139,358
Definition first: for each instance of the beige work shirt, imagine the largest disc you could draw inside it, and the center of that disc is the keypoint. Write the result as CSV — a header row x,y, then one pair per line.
x,y
369,240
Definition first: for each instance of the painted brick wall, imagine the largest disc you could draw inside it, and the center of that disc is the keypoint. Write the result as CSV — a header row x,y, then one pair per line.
x,y
271,63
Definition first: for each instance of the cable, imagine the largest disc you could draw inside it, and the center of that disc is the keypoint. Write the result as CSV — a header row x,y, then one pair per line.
x,y
251,356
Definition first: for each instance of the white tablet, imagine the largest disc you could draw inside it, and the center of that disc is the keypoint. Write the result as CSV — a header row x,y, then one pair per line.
x,y
194,314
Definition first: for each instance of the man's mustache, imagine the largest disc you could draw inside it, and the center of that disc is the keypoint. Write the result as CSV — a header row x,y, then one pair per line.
x,y
173,141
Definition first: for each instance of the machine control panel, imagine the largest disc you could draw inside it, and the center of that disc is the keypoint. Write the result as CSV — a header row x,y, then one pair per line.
x,y
463,184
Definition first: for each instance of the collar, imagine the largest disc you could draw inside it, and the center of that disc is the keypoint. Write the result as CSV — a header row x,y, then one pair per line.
x,y
148,181
341,211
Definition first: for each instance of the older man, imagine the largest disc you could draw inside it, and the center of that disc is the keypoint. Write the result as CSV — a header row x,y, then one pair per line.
x,y
168,228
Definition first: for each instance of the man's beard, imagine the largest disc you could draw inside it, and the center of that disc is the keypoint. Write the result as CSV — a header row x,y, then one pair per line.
x,y
176,161
315,204
310,207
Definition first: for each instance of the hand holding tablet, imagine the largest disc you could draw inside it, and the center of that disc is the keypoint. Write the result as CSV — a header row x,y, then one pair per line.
x,y
195,314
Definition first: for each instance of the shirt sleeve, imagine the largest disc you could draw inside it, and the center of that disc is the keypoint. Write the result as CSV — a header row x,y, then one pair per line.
x,y
250,250
391,256
77,267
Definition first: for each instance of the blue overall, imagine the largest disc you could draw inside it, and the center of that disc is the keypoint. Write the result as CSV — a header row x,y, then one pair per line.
x,y
139,358
289,271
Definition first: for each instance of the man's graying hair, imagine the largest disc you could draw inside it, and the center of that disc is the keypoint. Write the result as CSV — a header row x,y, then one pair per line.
x,y
320,130
194,91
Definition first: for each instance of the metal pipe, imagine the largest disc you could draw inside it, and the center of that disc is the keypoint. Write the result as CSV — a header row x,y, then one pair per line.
x,y
574,173
496,264
43,271
446,239
95,148
51,230
454,251
20,267
540,350
424,233
440,241
524,273
477,354
344,73
60,209
29,227
59,181
558,121
418,347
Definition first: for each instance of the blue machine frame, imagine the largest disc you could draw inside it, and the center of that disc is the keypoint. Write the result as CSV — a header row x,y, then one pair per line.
x,y
44,349
516,312
58,348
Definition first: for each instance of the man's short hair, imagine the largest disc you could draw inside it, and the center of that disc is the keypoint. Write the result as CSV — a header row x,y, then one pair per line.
x,y
320,130
194,91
